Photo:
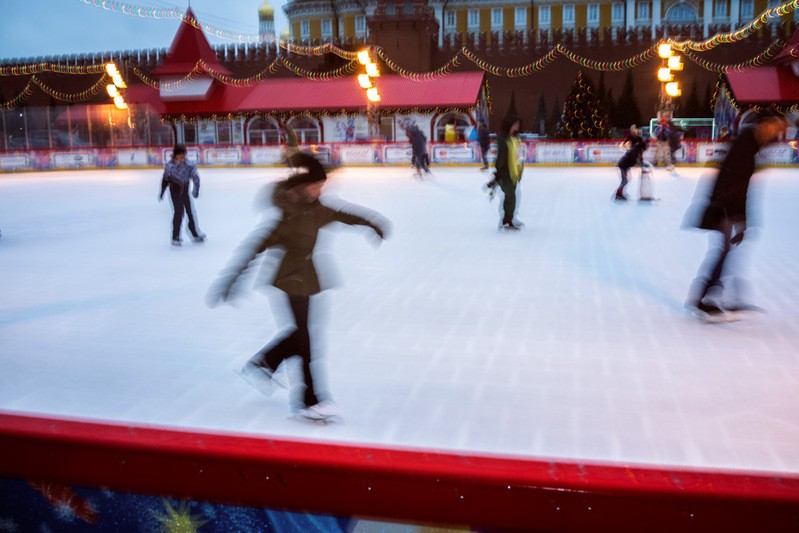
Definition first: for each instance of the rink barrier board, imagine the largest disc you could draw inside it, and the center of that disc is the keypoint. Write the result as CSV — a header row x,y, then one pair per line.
x,y
554,153
407,485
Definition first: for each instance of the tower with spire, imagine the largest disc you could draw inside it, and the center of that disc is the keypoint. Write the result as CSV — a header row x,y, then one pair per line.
x,y
266,19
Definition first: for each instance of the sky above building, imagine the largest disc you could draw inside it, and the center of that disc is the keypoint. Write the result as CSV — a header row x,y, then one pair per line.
x,y
34,28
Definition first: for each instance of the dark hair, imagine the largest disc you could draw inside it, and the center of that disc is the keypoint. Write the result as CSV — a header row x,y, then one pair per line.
x,y
316,171
178,149
508,122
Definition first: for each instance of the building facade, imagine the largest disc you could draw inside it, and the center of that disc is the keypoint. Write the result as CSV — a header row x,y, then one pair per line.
x,y
326,21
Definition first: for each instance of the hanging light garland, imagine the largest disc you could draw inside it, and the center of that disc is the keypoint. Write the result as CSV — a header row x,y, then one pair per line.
x,y
37,68
761,58
240,82
739,35
419,76
21,97
609,66
81,96
721,85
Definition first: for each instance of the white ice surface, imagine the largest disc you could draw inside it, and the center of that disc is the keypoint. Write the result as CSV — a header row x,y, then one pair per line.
x,y
565,340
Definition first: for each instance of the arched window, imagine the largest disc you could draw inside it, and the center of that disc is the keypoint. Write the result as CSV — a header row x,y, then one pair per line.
x,y
459,120
682,13
263,130
306,128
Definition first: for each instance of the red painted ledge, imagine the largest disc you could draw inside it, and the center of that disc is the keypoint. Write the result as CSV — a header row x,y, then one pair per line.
x,y
482,492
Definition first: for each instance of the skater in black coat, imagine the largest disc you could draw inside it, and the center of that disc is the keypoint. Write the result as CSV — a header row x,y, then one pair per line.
x,y
303,215
725,211
634,156
419,147
484,139
178,175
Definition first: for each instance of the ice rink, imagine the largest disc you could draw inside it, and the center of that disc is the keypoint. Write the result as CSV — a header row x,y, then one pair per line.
x,y
565,340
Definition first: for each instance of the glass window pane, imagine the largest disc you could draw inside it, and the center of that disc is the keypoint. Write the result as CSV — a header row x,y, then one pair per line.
x,y
38,126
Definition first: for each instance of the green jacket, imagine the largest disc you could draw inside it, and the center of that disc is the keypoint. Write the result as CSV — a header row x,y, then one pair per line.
x,y
296,232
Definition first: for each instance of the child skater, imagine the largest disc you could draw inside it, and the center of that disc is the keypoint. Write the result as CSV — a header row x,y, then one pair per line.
x,y
634,156
303,215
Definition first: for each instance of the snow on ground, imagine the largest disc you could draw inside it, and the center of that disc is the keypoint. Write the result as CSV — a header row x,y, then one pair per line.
x,y
565,340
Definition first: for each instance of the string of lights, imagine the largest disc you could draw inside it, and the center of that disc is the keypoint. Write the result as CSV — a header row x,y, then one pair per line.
x,y
81,96
609,66
419,76
721,85
44,66
763,57
739,35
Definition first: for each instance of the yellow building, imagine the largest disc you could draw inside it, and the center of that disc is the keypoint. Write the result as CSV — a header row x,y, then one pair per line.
x,y
318,21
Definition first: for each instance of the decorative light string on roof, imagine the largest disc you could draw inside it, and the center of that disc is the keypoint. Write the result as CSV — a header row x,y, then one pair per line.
x,y
720,85
37,68
72,98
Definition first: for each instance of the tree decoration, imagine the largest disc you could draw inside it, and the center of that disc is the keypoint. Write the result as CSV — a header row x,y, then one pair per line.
x,y
583,116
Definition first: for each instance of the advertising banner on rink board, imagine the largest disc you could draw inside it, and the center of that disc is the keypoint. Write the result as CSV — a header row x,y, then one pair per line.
x,y
603,153
73,159
554,152
394,154
266,155
356,154
222,156
132,158
454,153
711,152
776,154
14,162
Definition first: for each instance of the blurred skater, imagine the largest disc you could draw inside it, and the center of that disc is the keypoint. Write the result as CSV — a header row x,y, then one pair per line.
x,y
636,146
508,171
302,216
177,176
724,212
484,139
675,142
662,135
419,158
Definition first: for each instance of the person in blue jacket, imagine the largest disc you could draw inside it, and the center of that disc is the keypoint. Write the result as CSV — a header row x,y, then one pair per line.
x,y
178,176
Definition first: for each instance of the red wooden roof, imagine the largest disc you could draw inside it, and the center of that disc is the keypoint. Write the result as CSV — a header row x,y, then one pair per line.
x,y
188,47
765,85
460,90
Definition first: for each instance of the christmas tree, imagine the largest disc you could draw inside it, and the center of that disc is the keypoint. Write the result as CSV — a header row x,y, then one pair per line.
x,y
584,116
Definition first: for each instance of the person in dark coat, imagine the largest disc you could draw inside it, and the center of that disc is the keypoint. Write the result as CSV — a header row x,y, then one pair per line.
x,y
725,212
509,169
636,146
484,139
419,147
303,215
178,175
675,142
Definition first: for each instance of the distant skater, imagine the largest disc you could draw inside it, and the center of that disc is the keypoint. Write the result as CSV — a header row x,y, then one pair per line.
x,y
178,175
303,215
484,140
419,150
508,171
724,212
636,146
